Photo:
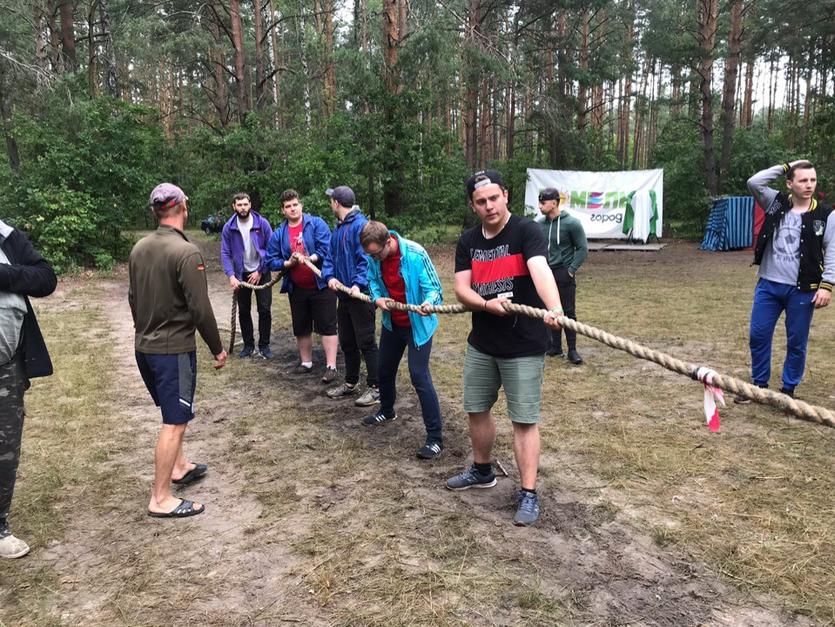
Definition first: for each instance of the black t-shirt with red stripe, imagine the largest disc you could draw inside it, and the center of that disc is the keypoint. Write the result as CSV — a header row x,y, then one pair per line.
x,y
499,268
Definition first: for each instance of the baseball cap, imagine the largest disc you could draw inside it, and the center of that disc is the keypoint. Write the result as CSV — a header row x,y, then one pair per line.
x,y
343,194
482,178
549,193
167,195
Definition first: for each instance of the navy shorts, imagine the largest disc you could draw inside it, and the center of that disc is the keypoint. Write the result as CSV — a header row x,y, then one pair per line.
x,y
171,380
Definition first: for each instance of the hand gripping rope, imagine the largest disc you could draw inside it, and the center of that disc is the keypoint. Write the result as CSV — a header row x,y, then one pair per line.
x,y
710,378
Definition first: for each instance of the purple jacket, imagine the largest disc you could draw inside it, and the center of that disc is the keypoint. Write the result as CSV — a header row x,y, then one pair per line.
x,y
232,244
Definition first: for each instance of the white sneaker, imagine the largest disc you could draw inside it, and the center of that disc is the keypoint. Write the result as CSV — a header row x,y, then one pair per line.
x,y
11,547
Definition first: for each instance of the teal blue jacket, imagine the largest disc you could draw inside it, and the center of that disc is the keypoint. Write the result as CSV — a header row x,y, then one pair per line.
x,y
422,285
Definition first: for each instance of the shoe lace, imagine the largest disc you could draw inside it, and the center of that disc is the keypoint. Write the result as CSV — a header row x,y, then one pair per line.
x,y
529,502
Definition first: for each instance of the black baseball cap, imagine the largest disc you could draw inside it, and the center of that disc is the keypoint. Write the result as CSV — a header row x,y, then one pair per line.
x,y
549,193
343,194
482,178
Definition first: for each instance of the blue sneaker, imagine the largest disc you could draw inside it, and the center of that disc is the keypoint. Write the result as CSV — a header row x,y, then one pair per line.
x,y
246,352
528,512
266,353
471,478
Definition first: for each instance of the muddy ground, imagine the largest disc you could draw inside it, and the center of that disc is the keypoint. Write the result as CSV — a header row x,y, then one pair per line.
x,y
312,519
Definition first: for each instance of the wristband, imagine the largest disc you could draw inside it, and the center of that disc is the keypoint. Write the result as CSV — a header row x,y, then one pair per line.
x,y
557,311
786,167
484,305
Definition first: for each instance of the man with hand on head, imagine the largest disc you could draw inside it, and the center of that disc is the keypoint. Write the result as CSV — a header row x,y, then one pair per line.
x,y
169,300
400,270
501,260
795,252
243,254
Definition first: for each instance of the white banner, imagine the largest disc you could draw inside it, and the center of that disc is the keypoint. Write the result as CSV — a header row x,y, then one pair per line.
x,y
600,200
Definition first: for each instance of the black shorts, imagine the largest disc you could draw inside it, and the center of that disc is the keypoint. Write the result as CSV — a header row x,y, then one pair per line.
x,y
313,310
171,380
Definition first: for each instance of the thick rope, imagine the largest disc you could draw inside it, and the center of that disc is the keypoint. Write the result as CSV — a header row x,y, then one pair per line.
x,y
233,323
802,410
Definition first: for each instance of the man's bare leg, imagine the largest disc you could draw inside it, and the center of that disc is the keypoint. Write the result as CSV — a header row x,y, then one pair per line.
x,y
330,343
526,451
305,344
181,466
483,436
169,446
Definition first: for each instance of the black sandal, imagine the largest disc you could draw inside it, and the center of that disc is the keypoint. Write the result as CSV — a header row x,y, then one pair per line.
x,y
185,509
198,472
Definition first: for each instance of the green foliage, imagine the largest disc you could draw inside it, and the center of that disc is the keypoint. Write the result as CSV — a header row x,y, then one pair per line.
x,y
87,167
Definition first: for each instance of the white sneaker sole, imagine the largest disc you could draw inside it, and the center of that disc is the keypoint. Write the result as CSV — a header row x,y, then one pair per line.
x,y
13,556
480,486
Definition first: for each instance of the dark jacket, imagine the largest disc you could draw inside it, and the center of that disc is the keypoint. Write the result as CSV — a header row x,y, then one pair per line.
x,y
169,295
232,244
28,274
813,223
317,240
347,262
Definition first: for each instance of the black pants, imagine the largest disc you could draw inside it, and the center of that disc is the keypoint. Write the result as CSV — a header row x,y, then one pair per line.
x,y
568,293
13,383
263,302
356,326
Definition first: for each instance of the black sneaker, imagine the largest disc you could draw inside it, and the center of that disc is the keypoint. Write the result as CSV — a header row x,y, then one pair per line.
x,y
787,391
574,357
430,450
555,353
301,369
378,419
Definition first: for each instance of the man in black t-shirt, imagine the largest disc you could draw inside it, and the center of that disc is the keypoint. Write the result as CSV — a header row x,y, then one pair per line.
x,y
503,259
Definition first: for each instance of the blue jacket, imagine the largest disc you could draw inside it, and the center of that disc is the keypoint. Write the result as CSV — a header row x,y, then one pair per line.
x,y
232,244
347,262
317,240
422,284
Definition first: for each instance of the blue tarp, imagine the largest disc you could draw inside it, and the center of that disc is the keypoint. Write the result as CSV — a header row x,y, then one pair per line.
x,y
730,224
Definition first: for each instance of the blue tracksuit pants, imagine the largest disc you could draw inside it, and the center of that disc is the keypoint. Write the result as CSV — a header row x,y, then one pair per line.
x,y
770,300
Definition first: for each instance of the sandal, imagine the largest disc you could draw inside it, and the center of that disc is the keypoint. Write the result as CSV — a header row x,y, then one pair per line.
x,y
183,510
198,472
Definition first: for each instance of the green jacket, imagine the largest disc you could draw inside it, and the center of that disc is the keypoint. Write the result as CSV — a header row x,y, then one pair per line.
x,y
169,296
567,244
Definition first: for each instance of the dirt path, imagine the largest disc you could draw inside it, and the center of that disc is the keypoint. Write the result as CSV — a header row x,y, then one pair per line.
x,y
312,519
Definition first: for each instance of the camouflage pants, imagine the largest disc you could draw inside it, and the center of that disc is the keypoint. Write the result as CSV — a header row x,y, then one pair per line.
x,y
13,383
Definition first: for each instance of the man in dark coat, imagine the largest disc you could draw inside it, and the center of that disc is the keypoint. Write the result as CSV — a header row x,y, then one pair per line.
x,y
23,356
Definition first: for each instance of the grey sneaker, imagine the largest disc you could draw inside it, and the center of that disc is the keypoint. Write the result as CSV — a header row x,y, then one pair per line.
x,y
471,478
300,369
378,419
346,389
528,512
369,397
329,376
12,547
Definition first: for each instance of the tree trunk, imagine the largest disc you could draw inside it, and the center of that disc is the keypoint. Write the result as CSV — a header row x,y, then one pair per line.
x,y
626,94
112,81
330,70
748,100
582,82
470,104
219,97
92,67
772,88
260,65
276,64
12,150
729,90
244,105
394,185
708,13
68,35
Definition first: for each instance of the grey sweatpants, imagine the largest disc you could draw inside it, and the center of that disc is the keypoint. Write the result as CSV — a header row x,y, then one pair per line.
x,y
13,383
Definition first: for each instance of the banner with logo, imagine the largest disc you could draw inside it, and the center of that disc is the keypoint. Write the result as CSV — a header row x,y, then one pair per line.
x,y
604,202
